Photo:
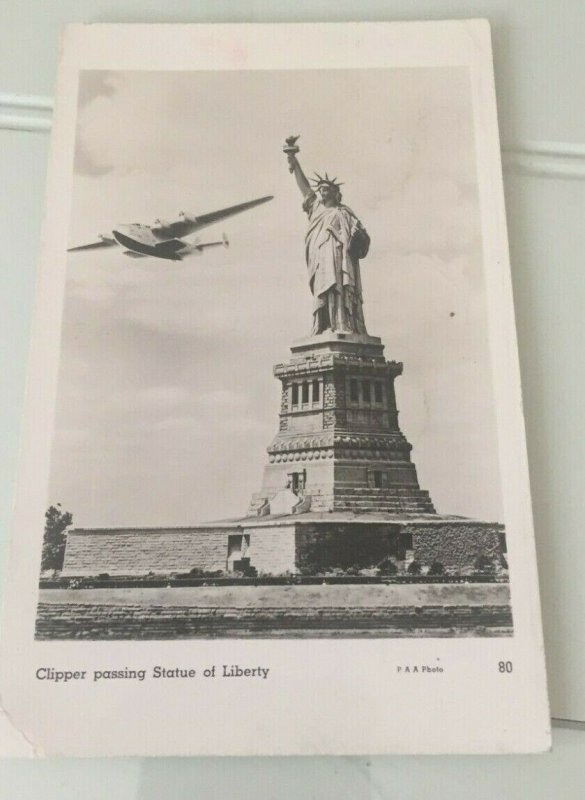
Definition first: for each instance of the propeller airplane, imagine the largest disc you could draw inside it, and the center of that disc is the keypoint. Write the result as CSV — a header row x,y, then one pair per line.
x,y
164,239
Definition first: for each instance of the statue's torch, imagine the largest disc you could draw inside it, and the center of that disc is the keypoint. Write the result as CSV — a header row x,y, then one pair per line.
x,y
291,149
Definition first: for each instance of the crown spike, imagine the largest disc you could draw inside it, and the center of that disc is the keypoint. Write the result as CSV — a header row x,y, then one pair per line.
x,y
318,180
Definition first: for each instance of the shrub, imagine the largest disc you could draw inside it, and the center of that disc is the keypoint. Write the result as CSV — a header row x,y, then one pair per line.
x,y
333,572
484,565
387,567
307,571
369,572
436,568
196,572
414,568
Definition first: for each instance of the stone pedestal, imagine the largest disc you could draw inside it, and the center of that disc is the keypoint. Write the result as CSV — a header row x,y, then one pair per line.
x,y
339,446
310,543
339,490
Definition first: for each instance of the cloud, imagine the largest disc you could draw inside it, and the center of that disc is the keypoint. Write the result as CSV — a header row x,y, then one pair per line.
x,y
162,396
192,426
223,398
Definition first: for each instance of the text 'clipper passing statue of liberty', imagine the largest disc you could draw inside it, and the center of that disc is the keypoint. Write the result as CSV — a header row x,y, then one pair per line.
x,y
335,242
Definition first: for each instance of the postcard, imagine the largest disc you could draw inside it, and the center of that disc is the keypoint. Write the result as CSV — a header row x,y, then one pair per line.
x,y
273,495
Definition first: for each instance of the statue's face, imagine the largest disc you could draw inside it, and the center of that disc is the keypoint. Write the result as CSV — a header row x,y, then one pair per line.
x,y
328,195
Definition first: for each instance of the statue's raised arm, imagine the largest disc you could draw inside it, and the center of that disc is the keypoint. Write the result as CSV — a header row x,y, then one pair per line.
x,y
334,243
291,151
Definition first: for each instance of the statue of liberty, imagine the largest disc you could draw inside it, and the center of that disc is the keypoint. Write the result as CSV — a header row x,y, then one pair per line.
x,y
334,243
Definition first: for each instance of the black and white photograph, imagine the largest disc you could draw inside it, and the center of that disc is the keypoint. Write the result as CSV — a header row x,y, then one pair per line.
x,y
275,413
273,495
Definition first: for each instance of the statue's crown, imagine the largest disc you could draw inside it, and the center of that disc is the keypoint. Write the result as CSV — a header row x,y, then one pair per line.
x,y
326,181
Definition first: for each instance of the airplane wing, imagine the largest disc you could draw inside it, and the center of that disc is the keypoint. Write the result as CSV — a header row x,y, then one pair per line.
x,y
190,224
103,242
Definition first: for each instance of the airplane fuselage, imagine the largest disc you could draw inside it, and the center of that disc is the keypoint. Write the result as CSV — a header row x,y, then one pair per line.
x,y
141,239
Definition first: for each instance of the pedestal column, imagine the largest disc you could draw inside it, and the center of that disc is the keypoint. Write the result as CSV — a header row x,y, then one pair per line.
x,y
339,444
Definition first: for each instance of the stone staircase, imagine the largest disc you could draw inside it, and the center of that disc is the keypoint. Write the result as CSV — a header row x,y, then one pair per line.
x,y
259,506
391,500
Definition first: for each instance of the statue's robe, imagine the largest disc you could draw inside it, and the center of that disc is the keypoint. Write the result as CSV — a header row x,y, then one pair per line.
x,y
334,243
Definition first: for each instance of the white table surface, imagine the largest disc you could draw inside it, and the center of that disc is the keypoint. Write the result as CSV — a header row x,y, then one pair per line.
x,y
539,62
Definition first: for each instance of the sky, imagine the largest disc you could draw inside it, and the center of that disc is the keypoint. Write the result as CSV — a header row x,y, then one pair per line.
x,y
166,399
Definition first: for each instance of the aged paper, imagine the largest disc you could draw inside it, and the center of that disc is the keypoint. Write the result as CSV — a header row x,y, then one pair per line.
x,y
273,495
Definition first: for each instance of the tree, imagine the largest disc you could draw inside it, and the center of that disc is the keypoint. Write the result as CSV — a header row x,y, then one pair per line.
x,y
387,567
55,538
